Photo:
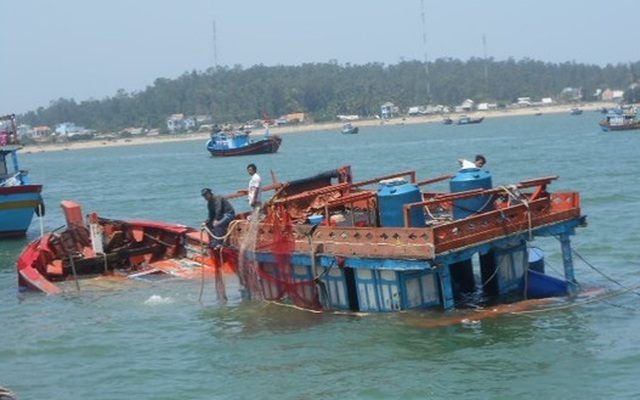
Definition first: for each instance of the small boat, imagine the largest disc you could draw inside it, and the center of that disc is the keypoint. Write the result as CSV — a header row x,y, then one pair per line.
x,y
447,121
465,120
576,111
19,198
240,143
83,253
348,128
620,119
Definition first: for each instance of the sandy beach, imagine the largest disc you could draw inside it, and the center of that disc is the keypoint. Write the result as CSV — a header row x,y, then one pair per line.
x,y
331,126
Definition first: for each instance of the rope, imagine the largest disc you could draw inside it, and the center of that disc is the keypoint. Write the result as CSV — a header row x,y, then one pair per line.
x,y
230,228
316,277
334,312
41,219
220,289
12,180
221,293
484,283
513,192
73,270
201,266
581,303
433,217
597,270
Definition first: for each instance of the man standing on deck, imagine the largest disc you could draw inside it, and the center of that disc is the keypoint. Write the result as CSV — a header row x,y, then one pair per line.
x,y
254,193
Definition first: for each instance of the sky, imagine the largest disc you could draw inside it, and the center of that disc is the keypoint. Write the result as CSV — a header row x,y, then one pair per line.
x,y
91,49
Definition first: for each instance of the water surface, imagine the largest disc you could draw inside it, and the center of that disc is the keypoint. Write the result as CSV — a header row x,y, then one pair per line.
x,y
157,341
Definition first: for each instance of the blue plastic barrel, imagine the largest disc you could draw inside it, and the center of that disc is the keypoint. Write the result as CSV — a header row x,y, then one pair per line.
x,y
392,196
470,179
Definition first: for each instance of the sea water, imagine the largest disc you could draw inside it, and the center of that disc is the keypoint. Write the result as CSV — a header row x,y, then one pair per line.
x,y
158,341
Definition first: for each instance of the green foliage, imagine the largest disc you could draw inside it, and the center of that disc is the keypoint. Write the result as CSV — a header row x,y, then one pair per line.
x,y
325,90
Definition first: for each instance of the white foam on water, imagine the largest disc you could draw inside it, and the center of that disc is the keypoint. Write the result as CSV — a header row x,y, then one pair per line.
x,y
157,299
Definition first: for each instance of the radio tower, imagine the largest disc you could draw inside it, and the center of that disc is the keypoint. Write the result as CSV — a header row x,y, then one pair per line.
x,y
215,46
486,70
424,44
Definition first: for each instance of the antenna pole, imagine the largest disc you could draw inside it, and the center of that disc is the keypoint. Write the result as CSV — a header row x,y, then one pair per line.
x,y
424,44
215,46
486,71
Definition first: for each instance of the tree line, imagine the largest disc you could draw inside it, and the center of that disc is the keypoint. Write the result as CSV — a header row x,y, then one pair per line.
x,y
324,90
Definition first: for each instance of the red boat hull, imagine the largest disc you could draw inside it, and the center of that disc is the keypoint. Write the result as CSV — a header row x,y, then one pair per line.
x,y
115,249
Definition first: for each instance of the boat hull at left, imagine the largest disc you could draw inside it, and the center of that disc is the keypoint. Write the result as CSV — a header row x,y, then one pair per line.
x,y
102,248
18,204
19,198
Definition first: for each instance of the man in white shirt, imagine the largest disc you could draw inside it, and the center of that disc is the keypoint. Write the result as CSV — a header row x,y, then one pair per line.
x,y
255,188
479,162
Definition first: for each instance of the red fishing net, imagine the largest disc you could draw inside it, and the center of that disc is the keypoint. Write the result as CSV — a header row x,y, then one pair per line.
x,y
278,280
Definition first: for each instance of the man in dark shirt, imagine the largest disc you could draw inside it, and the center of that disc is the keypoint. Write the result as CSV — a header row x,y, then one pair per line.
x,y
221,213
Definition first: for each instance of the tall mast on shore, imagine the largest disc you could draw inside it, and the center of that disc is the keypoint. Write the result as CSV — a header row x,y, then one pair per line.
x,y
424,44
215,46
486,70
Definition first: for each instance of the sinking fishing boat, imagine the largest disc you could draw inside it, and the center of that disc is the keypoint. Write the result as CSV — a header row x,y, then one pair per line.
x,y
19,198
240,143
101,248
327,243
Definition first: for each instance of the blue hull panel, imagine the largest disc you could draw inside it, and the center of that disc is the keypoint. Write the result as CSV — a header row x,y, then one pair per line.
x,y
16,212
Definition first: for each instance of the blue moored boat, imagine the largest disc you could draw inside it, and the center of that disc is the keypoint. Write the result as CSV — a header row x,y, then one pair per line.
x,y
240,143
620,119
19,199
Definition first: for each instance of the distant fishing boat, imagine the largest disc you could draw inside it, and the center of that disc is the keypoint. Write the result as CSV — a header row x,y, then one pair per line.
x,y
240,143
620,119
576,111
19,198
348,128
465,120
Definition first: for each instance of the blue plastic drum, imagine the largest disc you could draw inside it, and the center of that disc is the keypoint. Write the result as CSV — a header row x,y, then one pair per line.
x,y
392,196
470,179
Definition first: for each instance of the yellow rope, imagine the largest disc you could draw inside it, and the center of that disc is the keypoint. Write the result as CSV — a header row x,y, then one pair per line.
x,y
581,303
513,193
230,228
221,296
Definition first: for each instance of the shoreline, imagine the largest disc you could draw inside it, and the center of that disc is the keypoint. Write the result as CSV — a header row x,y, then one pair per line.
x,y
327,126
